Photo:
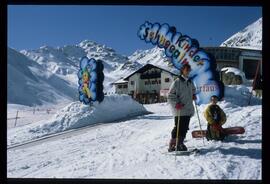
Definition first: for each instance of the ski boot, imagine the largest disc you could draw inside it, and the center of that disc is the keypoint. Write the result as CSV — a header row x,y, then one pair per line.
x,y
172,145
181,147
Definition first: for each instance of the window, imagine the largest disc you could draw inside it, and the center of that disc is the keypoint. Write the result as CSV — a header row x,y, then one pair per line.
x,y
131,82
167,79
125,86
159,81
120,86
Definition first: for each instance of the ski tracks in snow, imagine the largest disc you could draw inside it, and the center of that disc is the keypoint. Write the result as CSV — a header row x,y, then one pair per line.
x,y
133,149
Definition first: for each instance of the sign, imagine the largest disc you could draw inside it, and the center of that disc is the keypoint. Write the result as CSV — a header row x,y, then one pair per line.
x,y
182,49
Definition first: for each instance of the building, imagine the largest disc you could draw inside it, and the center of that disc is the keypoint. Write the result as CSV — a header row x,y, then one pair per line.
x,y
149,84
121,86
244,59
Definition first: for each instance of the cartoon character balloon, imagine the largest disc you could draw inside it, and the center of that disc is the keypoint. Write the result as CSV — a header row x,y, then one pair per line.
x,y
90,80
182,49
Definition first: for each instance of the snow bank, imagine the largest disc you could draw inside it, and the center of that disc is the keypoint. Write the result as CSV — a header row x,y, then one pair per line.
x,y
240,95
77,115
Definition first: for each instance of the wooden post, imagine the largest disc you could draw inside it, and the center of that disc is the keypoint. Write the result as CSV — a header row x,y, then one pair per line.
x,y
16,118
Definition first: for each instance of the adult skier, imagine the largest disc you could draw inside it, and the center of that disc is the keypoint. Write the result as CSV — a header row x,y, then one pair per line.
x,y
215,117
180,96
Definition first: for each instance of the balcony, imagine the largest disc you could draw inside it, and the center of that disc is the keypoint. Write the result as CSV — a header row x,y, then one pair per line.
x,y
150,76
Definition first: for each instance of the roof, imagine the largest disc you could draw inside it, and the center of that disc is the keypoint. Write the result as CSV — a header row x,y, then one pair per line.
x,y
120,81
148,66
233,48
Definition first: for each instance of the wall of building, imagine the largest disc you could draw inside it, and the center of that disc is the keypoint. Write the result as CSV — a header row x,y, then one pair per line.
x,y
150,85
164,75
136,84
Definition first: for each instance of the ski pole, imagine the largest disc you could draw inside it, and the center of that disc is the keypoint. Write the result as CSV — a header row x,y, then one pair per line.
x,y
177,130
199,122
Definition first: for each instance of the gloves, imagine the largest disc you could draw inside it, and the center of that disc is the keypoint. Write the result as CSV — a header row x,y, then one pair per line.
x,y
194,97
179,106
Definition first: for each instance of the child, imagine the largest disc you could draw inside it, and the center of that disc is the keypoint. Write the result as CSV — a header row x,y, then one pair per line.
x,y
215,117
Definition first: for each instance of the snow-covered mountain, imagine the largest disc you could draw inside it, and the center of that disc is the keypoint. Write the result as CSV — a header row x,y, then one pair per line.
x,y
249,38
139,58
64,61
31,84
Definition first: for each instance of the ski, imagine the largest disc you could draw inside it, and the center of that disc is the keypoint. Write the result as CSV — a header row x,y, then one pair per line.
x,y
183,153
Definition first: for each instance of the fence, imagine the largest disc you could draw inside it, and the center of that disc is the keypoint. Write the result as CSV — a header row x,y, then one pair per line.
x,y
27,115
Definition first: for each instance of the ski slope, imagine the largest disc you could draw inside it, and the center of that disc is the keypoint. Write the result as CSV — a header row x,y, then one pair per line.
x,y
134,148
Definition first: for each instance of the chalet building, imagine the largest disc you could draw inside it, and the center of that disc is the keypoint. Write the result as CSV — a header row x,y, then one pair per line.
x,y
244,59
121,86
149,84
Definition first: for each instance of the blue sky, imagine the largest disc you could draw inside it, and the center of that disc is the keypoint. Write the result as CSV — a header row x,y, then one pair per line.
x,y
30,27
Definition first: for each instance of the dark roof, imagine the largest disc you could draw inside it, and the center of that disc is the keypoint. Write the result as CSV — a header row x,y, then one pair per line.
x,y
120,81
231,48
147,67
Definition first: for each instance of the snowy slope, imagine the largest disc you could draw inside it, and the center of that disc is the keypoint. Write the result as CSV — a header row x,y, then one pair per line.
x,y
135,148
31,84
77,115
249,38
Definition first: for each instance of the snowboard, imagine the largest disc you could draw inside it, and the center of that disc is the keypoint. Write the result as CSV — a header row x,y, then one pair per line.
x,y
229,131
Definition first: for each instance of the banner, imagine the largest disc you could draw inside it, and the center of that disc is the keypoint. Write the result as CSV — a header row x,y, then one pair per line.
x,y
182,49
90,80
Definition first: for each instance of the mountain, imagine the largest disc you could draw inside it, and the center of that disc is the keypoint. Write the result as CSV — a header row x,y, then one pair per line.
x,y
249,38
155,56
64,61
29,83
32,70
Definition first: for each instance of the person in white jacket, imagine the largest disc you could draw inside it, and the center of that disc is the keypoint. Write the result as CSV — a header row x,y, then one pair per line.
x,y
180,97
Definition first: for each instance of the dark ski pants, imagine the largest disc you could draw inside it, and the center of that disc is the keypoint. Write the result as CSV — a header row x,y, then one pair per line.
x,y
183,128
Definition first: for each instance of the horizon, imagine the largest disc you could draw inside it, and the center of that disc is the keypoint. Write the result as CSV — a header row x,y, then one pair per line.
x,y
116,26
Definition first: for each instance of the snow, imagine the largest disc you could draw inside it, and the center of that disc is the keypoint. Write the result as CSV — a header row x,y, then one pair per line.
x,y
134,148
77,115
248,38
30,84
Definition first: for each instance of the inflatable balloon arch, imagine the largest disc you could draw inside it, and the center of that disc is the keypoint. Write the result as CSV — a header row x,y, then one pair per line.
x,y
182,49
90,80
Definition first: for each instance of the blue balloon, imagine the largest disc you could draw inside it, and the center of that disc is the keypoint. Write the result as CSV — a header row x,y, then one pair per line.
x,y
84,62
88,77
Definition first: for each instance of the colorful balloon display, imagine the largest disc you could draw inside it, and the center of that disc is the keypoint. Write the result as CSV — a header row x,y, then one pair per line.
x,y
90,80
182,49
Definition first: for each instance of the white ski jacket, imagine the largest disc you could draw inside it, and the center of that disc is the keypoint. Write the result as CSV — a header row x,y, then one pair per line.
x,y
181,91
